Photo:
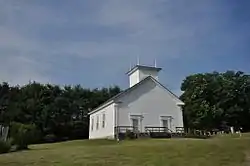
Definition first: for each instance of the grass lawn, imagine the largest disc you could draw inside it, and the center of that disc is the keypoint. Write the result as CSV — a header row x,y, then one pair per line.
x,y
228,151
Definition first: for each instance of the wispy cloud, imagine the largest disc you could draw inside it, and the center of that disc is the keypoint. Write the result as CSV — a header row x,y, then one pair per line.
x,y
69,42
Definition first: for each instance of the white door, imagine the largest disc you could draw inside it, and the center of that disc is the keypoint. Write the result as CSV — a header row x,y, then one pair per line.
x,y
135,124
165,124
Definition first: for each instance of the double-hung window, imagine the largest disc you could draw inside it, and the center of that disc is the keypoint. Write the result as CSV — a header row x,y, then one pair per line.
x,y
97,122
92,124
103,120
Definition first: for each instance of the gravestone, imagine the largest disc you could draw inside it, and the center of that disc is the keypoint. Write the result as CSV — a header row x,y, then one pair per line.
x,y
4,130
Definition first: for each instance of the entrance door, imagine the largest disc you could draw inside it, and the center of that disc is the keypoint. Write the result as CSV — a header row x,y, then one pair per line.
x,y
165,124
135,124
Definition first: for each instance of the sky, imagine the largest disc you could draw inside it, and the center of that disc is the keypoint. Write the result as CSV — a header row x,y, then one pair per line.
x,y
94,42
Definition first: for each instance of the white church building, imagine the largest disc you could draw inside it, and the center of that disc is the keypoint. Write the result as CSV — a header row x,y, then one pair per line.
x,y
145,105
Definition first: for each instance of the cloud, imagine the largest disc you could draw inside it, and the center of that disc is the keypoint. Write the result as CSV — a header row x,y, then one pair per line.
x,y
47,40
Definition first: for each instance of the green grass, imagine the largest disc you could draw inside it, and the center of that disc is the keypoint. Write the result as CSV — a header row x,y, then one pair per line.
x,y
219,151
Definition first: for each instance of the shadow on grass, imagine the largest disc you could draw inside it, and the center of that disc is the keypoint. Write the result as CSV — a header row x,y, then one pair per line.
x,y
99,142
73,143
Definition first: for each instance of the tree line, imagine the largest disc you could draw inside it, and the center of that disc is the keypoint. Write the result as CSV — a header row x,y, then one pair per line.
x,y
212,101
217,100
59,113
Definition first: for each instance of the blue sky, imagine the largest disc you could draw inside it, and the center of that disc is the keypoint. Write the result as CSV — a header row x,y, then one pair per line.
x,y
93,42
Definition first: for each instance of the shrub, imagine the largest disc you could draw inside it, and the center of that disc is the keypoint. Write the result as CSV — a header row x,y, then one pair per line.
x,y
130,135
189,135
5,146
160,135
79,130
23,134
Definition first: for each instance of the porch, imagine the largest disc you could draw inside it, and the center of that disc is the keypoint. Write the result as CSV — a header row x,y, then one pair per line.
x,y
121,132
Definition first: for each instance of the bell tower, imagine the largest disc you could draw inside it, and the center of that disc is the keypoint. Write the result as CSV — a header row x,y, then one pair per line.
x,y
139,72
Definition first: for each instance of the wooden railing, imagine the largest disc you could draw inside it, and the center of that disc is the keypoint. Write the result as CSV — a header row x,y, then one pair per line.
x,y
150,131
157,129
180,130
123,129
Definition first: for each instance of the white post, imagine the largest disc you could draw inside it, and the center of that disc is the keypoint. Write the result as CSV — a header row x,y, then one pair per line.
x,y
116,123
117,120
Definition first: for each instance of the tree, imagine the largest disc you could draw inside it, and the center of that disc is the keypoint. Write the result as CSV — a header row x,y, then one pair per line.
x,y
214,100
23,135
54,110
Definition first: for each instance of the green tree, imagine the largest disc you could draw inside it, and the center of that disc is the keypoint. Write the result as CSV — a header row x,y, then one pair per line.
x,y
214,100
60,112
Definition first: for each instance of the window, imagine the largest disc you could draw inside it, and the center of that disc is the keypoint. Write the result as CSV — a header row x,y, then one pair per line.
x,y
103,120
92,124
97,122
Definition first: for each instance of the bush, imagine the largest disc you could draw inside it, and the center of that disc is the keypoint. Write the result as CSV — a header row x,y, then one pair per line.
x,y
130,135
79,130
23,134
5,146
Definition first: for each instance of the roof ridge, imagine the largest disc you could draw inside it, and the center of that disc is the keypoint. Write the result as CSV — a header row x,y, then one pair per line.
x,y
167,89
130,88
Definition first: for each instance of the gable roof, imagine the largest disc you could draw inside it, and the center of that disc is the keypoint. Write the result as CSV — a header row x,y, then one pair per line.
x,y
111,100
